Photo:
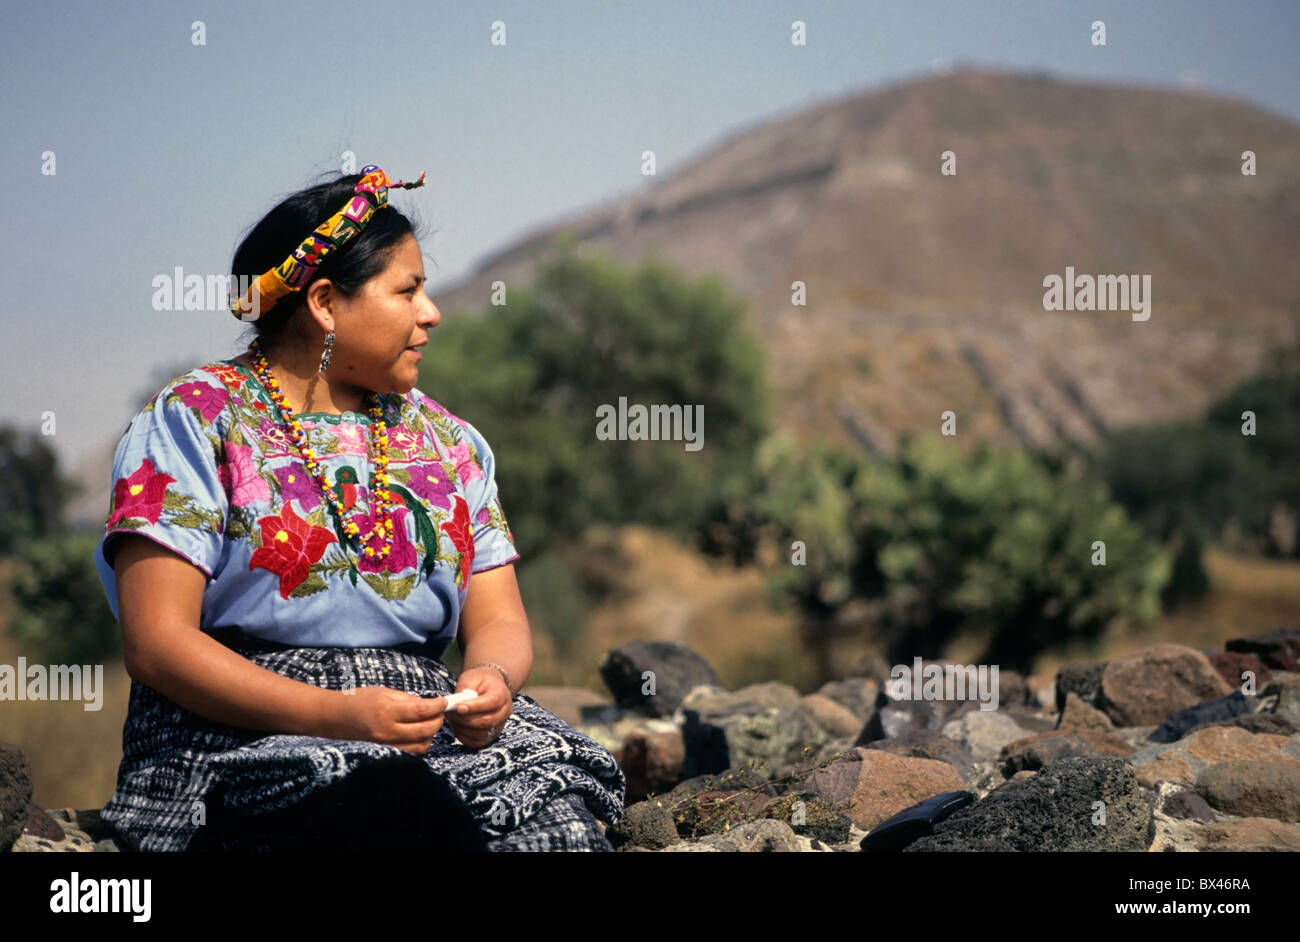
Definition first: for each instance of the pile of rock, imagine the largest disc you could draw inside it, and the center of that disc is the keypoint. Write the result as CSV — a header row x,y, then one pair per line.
x,y
1169,748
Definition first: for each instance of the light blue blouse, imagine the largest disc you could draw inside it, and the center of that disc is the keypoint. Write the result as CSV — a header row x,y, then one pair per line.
x,y
208,469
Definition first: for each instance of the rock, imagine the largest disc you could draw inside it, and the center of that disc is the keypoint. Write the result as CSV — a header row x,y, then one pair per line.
x,y
1277,649
773,739
763,836
40,824
811,816
15,794
930,744
644,824
1042,687
858,695
1149,685
1265,723
761,725
1078,715
1287,690
1232,664
830,747
1248,834
1251,788
895,719
715,704
684,801
1184,760
1053,811
676,670
652,761
1082,680
876,784
1212,712
985,732
614,736
1035,752
567,702
836,719
1179,801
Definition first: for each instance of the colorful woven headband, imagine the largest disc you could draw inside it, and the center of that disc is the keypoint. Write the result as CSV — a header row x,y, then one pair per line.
x,y
370,194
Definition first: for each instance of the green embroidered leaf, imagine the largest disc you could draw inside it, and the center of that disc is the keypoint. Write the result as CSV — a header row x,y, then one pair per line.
x,y
175,501
131,523
191,520
317,517
391,589
309,586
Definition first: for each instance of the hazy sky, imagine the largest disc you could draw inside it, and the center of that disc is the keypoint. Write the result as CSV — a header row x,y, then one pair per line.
x,y
167,152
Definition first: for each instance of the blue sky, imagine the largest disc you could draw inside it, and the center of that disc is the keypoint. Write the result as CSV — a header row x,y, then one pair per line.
x,y
167,152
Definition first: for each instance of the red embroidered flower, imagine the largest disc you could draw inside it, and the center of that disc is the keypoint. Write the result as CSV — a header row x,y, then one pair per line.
x,y
140,494
289,546
462,536
228,375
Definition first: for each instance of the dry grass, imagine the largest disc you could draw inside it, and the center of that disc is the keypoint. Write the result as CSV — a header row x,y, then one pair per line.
x,y
74,752
1248,596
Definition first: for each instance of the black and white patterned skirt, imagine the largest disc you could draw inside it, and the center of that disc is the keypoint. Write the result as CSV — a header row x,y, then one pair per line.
x,y
539,787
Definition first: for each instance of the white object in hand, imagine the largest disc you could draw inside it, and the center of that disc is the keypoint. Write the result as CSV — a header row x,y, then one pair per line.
x,y
456,699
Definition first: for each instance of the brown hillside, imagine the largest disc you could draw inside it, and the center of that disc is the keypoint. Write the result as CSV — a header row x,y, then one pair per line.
x,y
925,291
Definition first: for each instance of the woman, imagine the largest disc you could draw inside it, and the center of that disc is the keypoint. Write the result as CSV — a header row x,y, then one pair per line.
x,y
295,536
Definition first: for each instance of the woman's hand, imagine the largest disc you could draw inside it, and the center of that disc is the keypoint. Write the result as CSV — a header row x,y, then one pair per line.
x,y
387,716
479,722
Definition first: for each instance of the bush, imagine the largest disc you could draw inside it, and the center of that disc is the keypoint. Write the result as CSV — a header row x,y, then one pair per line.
x,y
940,544
60,613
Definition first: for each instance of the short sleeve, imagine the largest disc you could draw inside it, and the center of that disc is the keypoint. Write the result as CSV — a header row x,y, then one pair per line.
x,y
493,542
167,484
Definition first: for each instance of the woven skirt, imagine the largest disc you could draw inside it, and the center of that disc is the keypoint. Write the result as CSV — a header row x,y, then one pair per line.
x,y
541,786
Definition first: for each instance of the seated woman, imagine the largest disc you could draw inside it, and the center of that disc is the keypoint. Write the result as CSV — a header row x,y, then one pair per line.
x,y
295,536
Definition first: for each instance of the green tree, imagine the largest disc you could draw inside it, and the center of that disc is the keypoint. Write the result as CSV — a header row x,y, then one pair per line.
x,y
60,613
32,491
531,374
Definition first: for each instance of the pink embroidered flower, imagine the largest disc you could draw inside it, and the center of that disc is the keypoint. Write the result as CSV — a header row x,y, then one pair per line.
x,y
296,483
484,516
467,469
352,440
403,553
402,444
205,397
429,480
140,494
240,479
276,437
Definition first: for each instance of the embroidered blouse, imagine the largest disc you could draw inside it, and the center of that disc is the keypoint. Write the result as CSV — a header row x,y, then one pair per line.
x,y
208,469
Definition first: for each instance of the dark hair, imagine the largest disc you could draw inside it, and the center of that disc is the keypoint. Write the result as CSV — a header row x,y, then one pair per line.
x,y
284,228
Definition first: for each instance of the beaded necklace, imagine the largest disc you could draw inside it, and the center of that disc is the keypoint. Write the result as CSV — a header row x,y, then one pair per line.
x,y
379,445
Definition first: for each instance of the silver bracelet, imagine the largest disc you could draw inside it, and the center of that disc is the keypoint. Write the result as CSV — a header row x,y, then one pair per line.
x,y
504,676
